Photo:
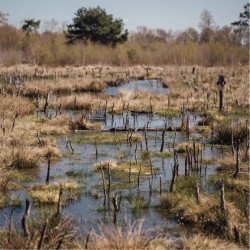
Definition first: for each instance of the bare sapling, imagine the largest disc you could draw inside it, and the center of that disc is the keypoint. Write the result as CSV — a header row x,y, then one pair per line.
x,y
146,137
171,189
176,162
222,197
88,238
237,163
236,233
197,192
14,121
46,103
42,236
187,127
136,153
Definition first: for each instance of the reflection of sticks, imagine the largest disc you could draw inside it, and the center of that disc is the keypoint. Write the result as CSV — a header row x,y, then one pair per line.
x,y
25,218
163,140
104,187
48,171
160,185
109,180
117,205
129,173
150,186
69,145
138,178
174,138
10,224
59,208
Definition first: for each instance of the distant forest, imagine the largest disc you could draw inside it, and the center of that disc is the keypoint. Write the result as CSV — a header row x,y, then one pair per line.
x,y
210,46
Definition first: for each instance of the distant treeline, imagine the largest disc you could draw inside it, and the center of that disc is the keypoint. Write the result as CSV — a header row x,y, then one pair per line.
x,y
221,46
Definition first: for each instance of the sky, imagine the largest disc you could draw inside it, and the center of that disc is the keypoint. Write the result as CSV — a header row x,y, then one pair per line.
x,y
175,15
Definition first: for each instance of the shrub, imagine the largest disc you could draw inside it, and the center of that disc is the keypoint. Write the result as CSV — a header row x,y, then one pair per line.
x,y
225,129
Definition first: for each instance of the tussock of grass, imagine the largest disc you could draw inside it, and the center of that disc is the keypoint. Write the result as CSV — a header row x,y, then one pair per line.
x,y
124,167
225,128
21,157
181,146
229,160
105,164
9,179
241,183
85,124
113,237
49,194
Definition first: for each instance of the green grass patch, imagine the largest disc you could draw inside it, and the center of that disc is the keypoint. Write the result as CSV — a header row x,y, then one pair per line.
x,y
105,138
137,203
6,201
165,154
78,174
168,113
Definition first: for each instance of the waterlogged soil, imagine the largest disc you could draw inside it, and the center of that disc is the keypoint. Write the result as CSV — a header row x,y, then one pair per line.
x,y
80,163
88,210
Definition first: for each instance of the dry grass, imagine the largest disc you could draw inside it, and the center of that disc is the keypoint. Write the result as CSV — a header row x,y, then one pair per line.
x,y
78,102
206,214
59,233
200,241
11,105
60,87
130,237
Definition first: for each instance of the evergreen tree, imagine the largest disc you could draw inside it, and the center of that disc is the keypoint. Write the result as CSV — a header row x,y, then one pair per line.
x,y
241,27
95,25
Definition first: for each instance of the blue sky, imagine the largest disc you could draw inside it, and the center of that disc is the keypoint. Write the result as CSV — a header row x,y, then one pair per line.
x,y
176,15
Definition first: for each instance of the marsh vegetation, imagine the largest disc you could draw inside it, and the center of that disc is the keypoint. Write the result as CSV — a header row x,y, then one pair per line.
x,y
86,160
